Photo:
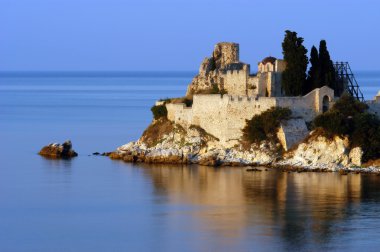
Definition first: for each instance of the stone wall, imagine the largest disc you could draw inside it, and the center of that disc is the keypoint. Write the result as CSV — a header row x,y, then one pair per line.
x,y
180,114
307,106
224,116
210,113
280,65
235,81
240,109
252,85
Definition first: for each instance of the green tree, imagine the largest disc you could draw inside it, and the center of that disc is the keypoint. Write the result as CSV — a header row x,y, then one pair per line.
x,y
264,126
313,78
350,117
327,70
294,76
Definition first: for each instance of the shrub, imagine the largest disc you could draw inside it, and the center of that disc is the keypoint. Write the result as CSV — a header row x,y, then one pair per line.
x,y
349,117
341,118
333,123
263,127
367,135
349,106
188,102
156,131
159,111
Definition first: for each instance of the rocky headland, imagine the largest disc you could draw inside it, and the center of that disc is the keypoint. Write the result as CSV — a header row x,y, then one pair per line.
x,y
230,117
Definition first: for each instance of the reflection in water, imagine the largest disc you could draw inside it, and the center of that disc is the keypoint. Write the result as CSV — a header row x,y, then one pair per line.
x,y
301,208
58,171
56,162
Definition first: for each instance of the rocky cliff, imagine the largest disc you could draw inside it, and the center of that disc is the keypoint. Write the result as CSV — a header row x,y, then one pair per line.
x,y
165,142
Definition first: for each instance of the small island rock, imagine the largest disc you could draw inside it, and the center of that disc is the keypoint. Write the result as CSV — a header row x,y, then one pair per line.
x,y
55,150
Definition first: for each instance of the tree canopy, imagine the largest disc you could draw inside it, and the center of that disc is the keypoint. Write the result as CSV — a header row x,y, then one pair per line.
x,y
327,70
294,76
313,78
322,71
350,117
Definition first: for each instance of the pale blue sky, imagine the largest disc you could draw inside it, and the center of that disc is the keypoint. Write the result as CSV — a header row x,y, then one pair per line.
x,y
177,35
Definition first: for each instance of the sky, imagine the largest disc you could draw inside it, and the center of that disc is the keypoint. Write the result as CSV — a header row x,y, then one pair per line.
x,y
176,35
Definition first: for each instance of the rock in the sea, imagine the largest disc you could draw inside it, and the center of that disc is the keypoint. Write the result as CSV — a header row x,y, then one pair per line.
x,y
56,150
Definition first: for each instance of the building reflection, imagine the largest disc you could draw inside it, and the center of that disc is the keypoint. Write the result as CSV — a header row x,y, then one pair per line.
x,y
300,208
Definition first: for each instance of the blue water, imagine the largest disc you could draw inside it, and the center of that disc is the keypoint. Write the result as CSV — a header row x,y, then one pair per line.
x,y
92,203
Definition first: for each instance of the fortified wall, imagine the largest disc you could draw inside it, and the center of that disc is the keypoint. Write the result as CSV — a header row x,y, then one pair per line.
x,y
224,116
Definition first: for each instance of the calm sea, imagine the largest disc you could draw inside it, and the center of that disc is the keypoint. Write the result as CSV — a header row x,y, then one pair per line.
x,y
95,204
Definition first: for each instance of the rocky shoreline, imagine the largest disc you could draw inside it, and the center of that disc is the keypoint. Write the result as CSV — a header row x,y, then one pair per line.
x,y
194,146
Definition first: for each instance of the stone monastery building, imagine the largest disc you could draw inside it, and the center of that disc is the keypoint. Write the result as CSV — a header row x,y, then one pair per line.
x,y
225,94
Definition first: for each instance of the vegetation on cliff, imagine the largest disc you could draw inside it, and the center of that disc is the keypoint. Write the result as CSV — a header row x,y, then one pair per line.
x,y
156,130
159,111
264,126
187,101
349,117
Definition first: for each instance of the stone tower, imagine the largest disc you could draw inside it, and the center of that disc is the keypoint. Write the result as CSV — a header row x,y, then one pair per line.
x,y
225,53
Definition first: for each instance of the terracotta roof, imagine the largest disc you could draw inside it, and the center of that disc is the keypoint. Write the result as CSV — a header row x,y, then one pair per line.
x,y
269,59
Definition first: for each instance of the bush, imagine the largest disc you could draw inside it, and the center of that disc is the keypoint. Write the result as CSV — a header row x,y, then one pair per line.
x,y
188,102
159,111
264,126
341,118
333,123
349,106
367,135
156,131
349,117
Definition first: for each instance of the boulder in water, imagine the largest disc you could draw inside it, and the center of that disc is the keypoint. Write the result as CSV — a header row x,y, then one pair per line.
x,y
55,150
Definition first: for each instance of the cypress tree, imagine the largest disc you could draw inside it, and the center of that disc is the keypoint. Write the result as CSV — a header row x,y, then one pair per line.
x,y
294,76
327,70
313,78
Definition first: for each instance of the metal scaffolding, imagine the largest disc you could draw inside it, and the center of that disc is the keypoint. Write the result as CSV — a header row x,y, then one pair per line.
x,y
346,80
